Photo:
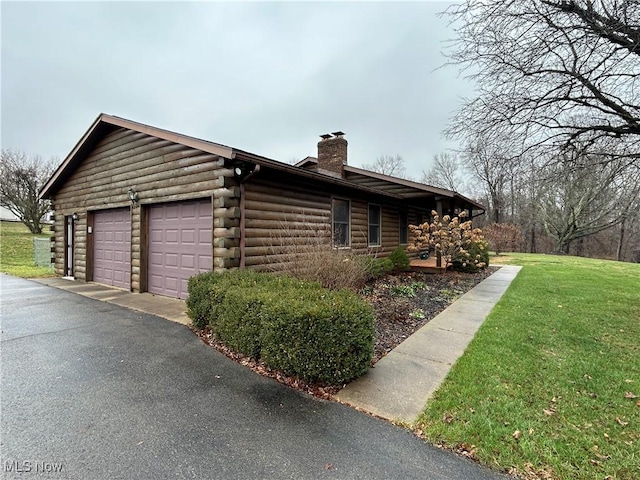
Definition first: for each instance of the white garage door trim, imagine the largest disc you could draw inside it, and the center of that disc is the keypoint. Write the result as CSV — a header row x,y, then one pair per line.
x,y
112,247
180,245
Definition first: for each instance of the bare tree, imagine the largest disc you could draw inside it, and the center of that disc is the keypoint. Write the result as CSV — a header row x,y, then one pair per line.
x,y
387,165
21,178
585,196
446,172
493,164
551,72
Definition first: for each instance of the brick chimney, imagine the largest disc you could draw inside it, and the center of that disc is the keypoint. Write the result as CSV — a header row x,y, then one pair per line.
x,y
332,154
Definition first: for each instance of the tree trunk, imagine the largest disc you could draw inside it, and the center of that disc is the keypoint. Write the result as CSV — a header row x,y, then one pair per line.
x,y
496,209
532,245
563,246
621,240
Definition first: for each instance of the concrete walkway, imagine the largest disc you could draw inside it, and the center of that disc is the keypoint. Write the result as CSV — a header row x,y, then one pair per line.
x,y
400,384
164,307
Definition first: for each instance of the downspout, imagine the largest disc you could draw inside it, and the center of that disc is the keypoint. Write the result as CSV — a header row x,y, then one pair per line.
x,y
255,170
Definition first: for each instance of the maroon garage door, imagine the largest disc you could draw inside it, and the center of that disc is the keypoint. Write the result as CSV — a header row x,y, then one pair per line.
x,y
112,247
179,245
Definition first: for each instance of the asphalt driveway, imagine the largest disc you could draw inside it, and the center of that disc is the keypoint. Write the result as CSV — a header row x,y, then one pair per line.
x,y
101,391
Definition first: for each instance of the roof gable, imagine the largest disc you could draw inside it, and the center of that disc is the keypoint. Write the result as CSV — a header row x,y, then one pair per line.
x,y
105,124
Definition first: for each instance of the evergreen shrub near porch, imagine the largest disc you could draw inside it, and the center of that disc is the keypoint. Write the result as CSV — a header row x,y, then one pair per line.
x,y
292,325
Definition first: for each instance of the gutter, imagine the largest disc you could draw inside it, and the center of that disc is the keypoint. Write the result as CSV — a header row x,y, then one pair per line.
x,y
243,181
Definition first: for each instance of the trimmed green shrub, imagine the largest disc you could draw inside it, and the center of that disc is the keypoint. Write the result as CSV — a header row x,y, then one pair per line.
x,y
399,259
207,290
326,337
292,325
198,305
238,321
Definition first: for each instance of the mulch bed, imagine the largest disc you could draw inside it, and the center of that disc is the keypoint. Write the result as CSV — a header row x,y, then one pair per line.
x,y
403,303
406,301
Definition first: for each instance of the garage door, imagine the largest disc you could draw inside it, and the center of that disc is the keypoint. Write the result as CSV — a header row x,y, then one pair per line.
x,y
112,247
179,245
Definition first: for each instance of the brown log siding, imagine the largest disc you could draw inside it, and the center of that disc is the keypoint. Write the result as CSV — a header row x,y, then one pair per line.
x,y
158,170
285,217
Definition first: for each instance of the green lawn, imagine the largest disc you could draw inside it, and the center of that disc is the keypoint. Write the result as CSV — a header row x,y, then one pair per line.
x,y
550,385
16,251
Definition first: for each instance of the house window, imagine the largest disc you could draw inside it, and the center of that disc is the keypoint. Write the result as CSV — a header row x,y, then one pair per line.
x,y
374,225
404,228
341,218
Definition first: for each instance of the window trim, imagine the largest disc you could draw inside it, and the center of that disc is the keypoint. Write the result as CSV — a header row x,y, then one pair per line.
x,y
379,225
349,222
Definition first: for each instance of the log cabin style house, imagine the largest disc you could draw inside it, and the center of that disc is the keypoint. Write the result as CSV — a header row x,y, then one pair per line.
x,y
144,209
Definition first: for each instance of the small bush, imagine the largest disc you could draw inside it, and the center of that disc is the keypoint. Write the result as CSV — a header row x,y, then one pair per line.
x,y
503,237
332,268
303,249
292,325
375,267
410,290
402,291
399,259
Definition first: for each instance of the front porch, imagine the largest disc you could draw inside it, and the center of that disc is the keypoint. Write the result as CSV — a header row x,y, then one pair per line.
x,y
428,265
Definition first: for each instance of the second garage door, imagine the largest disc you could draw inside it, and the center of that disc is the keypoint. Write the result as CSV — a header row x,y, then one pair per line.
x,y
112,247
179,245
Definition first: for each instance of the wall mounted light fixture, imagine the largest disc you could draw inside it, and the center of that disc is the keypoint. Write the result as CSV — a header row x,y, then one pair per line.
x,y
75,217
133,195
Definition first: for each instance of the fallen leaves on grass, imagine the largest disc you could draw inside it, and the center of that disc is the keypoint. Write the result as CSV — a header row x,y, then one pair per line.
x,y
532,473
597,453
621,422
630,395
466,450
552,407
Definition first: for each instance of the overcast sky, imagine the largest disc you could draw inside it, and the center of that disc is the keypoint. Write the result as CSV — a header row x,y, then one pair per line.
x,y
266,77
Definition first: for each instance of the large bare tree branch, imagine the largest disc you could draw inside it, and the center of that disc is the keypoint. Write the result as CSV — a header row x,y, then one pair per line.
x,y
553,72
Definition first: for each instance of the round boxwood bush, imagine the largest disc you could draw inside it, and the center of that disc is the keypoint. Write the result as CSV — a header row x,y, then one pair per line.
x,y
322,336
